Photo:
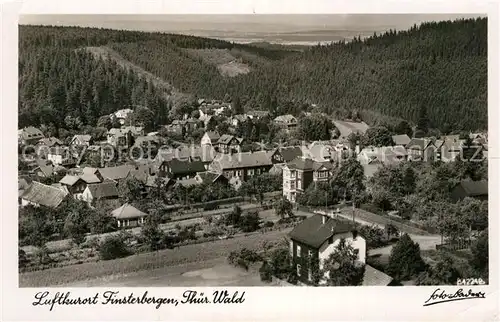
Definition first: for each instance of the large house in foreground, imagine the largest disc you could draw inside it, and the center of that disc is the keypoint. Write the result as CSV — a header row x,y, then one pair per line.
x,y
243,165
315,239
300,173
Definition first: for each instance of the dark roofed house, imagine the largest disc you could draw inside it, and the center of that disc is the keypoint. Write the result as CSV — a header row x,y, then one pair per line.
x,y
316,238
116,173
100,191
474,189
422,149
182,169
39,194
229,144
290,152
81,140
287,121
50,142
301,172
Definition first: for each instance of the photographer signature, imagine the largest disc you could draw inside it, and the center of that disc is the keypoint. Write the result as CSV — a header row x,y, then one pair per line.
x,y
440,296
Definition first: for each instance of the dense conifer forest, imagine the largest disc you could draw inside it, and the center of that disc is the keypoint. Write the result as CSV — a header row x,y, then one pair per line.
x,y
441,66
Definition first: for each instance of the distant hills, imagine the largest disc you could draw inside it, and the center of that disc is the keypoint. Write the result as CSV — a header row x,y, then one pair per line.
x,y
439,65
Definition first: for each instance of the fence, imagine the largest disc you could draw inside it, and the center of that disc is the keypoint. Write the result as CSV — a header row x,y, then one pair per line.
x,y
458,245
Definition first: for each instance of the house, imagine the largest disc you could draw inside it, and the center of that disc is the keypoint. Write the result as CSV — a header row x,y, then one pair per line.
x,y
135,131
451,148
374,277
229,144
323,151
50,142
211,178
258,115
474,189
401,139
238,119
277,169
210,138
187,182
287,121
81,140
116,173
206,153
315,239
39,194
119,138
373,158
121,115
347,128
300,173
128,216
49,170
61,155
205,119
77,183
182,168
99,191
421,149
29,135
243,165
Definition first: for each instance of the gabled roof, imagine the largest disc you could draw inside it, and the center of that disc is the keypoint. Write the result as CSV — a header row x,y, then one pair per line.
x,y
345,128
127,211
258,113
44,195
244,160
227,138
116,173
314,233
47,170
307,164
418,144
30,132
103,190
213,135
69,180
50,141
208,176
374,277
401,139
82,137
135,130
475,188
185,166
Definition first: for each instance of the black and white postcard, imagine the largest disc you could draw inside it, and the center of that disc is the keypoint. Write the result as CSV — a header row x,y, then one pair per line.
x,y
252,161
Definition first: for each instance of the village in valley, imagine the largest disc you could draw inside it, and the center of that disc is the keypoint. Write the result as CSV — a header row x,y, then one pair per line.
x,y
233,192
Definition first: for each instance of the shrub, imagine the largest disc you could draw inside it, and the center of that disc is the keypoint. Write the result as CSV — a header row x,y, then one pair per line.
x,y
249,222
405,261
265,272
113,247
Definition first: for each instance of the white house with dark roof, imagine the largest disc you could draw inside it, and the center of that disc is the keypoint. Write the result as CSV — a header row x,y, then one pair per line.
x,y
81,140
316,238
100,191
229,144
121,115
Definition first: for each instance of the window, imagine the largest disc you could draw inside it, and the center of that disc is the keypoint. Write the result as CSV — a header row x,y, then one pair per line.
x,y
309,274
298,250
250,172
310,253
299,184
292,184
291,247
356,252
258,171
298,269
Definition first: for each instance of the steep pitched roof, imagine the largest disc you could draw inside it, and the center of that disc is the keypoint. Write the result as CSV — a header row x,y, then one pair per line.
x,y
475,188
208,176
205,152
127,211
287,118
50,141
213,135
418,144
401,139
69,179
345,128
103,190
307,164
227,138
82,138
314,233
44,195
244,160
116,173
30,132
258,113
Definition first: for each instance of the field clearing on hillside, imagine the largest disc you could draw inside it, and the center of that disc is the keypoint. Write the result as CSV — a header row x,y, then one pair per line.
x,y
147,261
229,63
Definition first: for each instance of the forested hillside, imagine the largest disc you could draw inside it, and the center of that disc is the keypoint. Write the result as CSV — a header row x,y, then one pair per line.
x,y
440,66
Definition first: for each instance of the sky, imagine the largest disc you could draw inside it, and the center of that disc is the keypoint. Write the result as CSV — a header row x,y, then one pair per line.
x,y
241,23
